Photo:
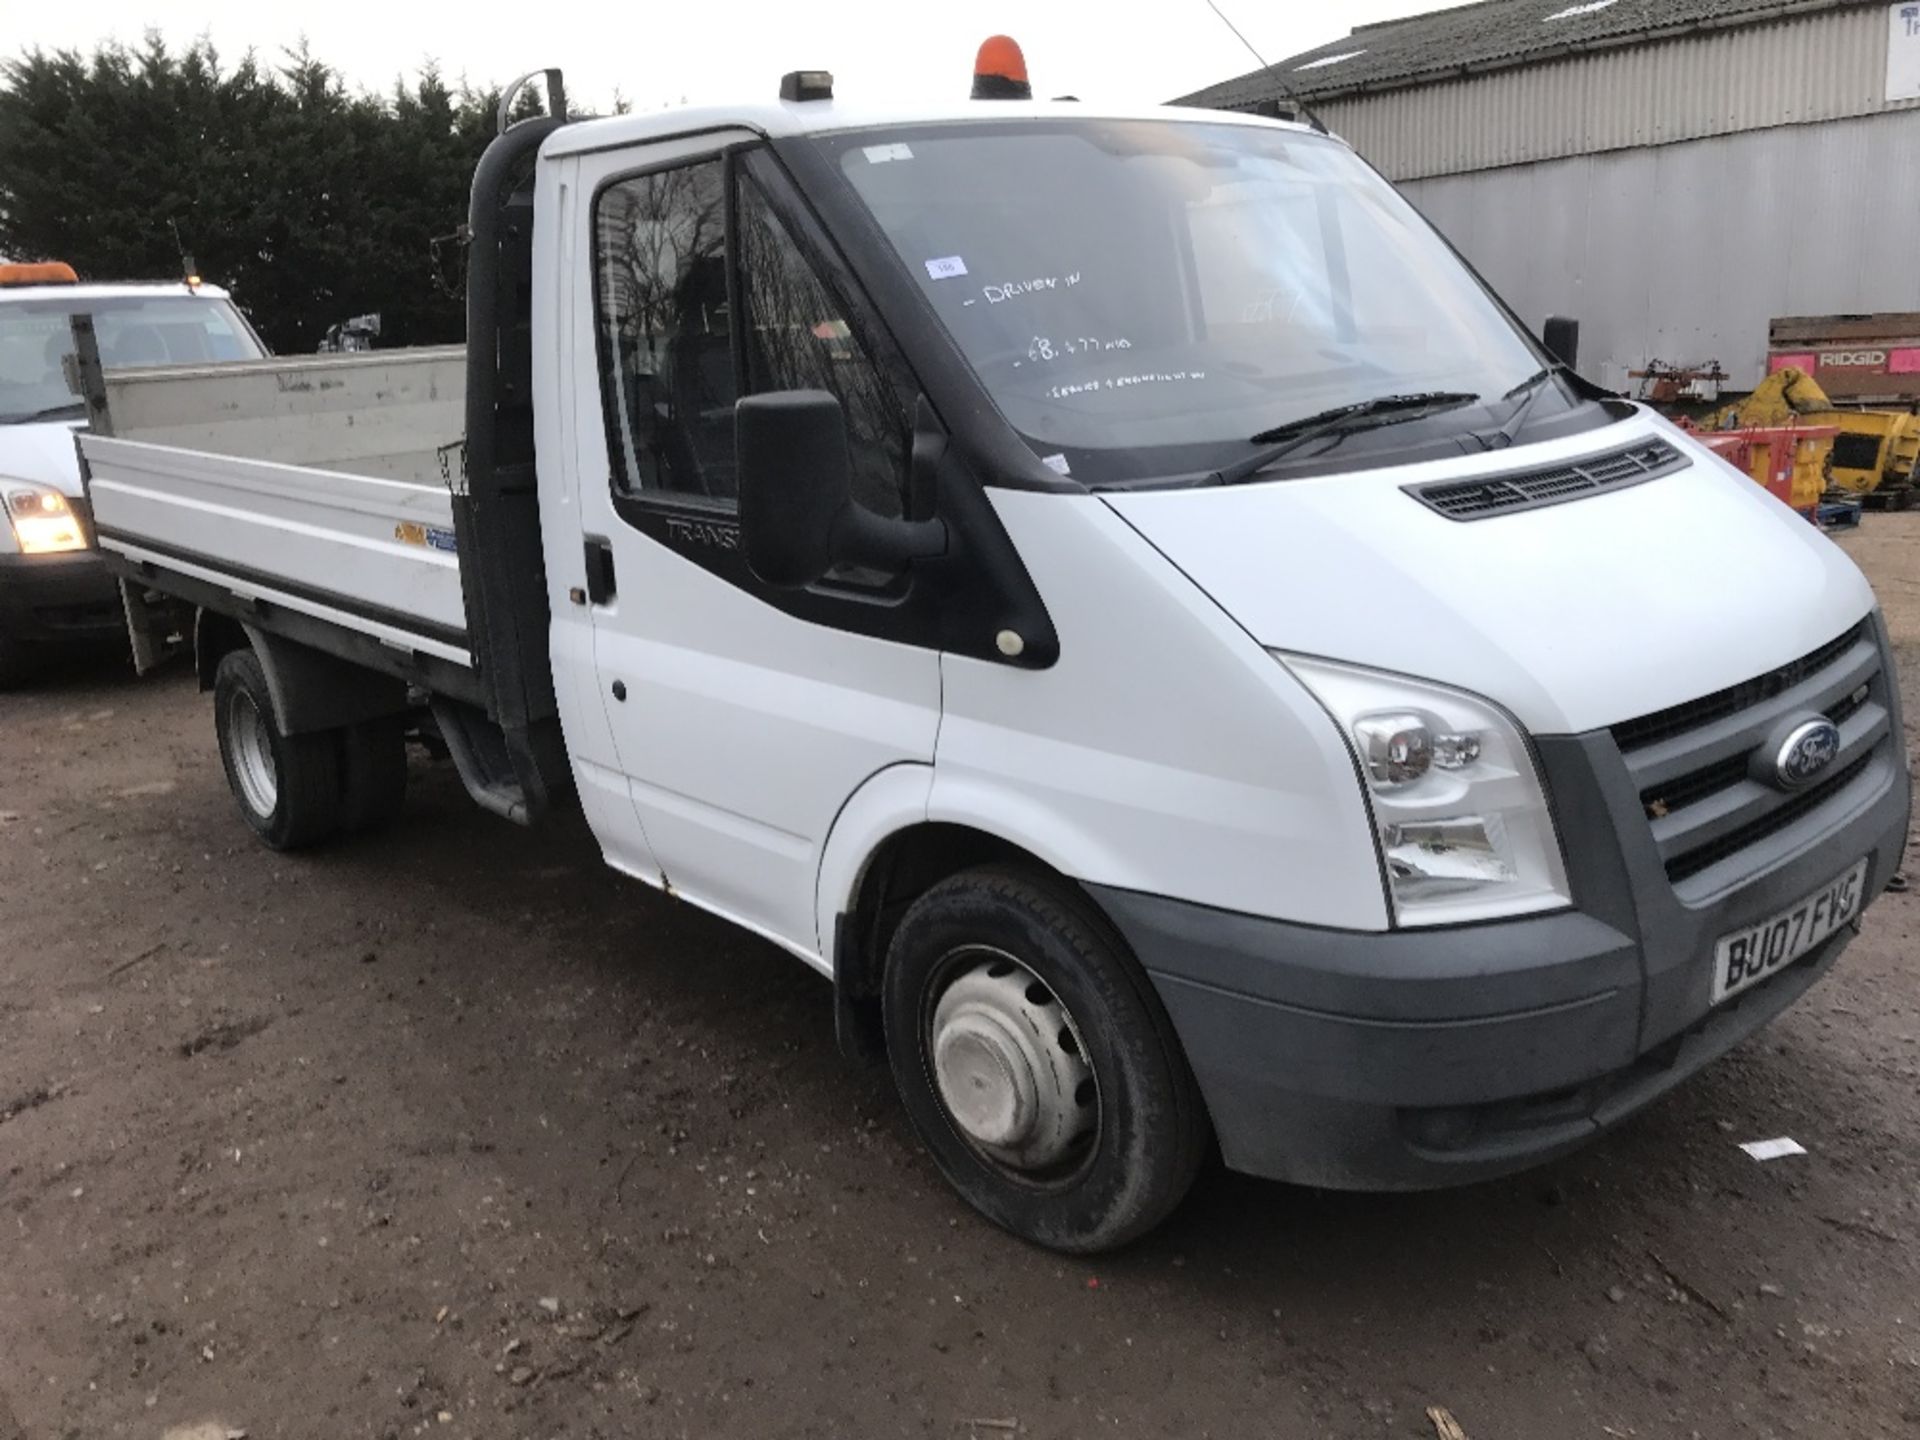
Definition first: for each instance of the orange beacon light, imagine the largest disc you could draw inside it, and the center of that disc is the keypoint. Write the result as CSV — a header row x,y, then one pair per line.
x,y
1000,71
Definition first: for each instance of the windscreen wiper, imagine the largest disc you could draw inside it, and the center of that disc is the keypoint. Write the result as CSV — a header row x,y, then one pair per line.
x,y
1341,421
1528,392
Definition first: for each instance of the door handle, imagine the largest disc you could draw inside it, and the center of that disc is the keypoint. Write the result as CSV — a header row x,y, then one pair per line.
x,y
601,586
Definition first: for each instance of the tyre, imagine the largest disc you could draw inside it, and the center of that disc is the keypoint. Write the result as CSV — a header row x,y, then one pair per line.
x,y
1037,1064
288,786
373,775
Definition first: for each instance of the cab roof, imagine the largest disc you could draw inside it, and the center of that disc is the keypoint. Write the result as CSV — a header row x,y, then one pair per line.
x,y
782,119
109,290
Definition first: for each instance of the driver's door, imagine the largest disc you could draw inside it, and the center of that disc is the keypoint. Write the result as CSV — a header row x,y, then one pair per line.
x,y
742,728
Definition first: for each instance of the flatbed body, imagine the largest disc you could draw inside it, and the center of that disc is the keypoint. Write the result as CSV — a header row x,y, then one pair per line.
x,y
319,485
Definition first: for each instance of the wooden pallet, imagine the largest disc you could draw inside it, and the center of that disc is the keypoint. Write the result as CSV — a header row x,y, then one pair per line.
x,y
1838,515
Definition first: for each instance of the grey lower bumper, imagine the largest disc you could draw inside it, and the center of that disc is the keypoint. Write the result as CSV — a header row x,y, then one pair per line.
x,y
1413,1060
54,599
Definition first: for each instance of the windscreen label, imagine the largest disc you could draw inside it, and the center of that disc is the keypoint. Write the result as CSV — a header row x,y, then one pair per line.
x,y
949,268
1014,289
1125,382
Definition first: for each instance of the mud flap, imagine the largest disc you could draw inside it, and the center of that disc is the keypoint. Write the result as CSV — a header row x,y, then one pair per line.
x,y
159,628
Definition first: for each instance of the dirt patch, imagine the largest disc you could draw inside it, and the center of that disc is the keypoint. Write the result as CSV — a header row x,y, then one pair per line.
x,y
31,1100
222,1037
528,1150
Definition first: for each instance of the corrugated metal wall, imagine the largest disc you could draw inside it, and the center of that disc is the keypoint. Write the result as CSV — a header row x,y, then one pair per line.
x,y
1684,252
1817,67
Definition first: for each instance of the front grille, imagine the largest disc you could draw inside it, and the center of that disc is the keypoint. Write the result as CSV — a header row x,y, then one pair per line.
x,y
1663,800
1692,714
1852,705
1710,805
1531,489
1772,823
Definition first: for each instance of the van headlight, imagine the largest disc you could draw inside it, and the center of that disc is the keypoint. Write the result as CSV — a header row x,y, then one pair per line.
x,y
1458,809
42,521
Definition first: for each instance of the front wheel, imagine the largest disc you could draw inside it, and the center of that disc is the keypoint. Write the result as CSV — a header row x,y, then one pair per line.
x,y
288,786
1037,1063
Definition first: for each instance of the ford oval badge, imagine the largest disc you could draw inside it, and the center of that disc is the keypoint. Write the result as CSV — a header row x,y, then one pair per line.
x,y
1806,753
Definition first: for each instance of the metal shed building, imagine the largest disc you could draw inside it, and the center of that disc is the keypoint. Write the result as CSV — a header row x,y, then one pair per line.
x,y
1675,173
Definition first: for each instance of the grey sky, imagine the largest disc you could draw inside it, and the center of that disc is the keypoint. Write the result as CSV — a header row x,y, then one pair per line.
x,y
655,53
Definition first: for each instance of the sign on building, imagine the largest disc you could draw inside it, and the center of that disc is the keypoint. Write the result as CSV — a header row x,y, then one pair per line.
x,y
1903,50
1872,358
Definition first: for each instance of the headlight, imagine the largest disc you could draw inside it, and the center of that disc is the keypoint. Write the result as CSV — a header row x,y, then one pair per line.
x,y
42,521
1458,809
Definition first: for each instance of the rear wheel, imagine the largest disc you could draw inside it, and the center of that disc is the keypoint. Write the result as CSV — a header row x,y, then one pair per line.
x,y
288,786
1037,1063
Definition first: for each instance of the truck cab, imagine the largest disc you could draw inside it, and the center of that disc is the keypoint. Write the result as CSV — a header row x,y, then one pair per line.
x,y
54,590
1114,593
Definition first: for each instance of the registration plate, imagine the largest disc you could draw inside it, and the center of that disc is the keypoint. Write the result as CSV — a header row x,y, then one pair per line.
x,y
1748,956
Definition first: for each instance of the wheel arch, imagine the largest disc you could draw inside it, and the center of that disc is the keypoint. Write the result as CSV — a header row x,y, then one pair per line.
x,y
215,636
311,689
889,847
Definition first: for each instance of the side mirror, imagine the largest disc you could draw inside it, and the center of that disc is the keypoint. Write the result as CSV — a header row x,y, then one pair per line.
x,y
790,450
798,519
1562,339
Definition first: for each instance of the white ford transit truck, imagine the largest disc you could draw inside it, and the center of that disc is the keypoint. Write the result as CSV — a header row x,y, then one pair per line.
x,y
55,593
1108,588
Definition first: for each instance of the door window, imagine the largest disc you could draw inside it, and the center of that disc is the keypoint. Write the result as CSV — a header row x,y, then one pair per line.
x,y
674,355
666,332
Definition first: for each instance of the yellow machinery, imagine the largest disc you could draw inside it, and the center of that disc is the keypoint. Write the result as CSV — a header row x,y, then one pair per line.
x,y
1876,450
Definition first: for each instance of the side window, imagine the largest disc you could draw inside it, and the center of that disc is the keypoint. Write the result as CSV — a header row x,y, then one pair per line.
x,y
797,338
666,332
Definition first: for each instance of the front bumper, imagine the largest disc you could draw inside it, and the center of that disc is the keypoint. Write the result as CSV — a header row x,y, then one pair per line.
x,y
59,599
1419,1059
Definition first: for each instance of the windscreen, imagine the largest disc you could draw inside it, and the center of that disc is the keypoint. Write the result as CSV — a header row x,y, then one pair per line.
x,y
1141,297
133,331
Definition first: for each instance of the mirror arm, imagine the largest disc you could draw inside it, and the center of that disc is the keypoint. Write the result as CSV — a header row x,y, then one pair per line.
x,y
864,537
860,537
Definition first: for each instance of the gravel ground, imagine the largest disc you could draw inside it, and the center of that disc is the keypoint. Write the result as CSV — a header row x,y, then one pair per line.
x,y
456,1132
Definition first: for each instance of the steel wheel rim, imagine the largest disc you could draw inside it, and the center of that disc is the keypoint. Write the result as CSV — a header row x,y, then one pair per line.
x,y
252,749
1009,1066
